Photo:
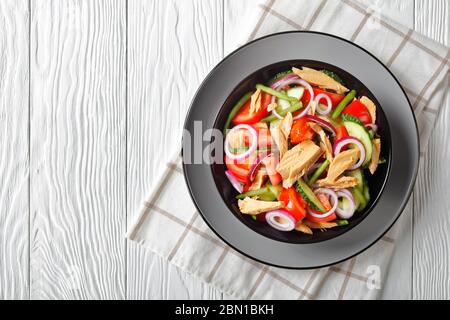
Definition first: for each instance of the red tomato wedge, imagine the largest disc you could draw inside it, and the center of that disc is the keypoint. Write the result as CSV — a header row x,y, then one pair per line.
x,y
358,110
244,116
341,132
293,203
327,205
240,170
301,131
335,98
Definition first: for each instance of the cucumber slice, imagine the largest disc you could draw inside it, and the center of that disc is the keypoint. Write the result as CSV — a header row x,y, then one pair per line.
x,y
283,104
366,192
276,190
344,203
296,92
360,200
358,174
309,196
358,131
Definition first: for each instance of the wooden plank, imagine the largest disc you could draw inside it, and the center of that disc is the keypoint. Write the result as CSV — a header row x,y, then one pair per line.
x,y
398,283
172,45
401,11
78,158
431,219
14,146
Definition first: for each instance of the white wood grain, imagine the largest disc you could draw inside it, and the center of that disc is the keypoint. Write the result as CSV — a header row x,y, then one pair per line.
x,y
431,264
78,149
172,45
398,282
14,143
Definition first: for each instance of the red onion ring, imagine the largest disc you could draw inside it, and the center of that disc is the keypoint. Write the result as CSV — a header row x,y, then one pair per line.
x,y
234,181
351,140
293,80
323,123
281,82
334,202
250,150
254,168
289,221
329,104
346,214
311,100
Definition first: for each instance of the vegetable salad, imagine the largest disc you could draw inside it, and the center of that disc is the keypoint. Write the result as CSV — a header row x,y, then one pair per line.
x,y
298,148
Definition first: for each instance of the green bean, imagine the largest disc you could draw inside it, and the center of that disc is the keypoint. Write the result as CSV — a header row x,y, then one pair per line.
x,y
318,172
294,107
276,93
236,109
340,107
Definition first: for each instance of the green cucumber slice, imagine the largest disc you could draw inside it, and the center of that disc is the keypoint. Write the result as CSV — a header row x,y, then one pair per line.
x,y
358,131
359,175
344,203
296,92
309,196
360,200
366,192
283,104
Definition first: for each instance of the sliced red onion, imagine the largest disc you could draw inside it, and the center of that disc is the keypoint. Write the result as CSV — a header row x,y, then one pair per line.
x,y
323,123
333,200
280,220
319,97
234,181
372,126
351,140
281,82
311,100
251,149
255,166
293,80
340,212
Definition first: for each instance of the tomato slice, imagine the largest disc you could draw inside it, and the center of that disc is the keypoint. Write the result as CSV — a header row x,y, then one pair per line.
x,y
357,109
244,116
327,205
301,131
293,203
341,132
241,171
334,97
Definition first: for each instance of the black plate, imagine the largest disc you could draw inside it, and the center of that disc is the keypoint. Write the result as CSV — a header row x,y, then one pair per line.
x,y
403,159
376,182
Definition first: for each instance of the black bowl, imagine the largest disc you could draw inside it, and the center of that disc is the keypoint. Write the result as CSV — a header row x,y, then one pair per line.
x,y
376,182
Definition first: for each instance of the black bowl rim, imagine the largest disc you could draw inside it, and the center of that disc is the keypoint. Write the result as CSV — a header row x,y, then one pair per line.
x,y
412,183
362,215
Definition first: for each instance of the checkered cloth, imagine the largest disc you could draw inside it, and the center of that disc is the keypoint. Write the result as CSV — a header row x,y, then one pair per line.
x,y
170,226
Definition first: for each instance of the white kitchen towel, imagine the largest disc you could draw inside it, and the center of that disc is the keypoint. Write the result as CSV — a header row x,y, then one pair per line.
x,y
170,226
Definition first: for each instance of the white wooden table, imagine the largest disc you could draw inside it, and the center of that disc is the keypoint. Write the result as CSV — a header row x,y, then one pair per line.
x,y
93,95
